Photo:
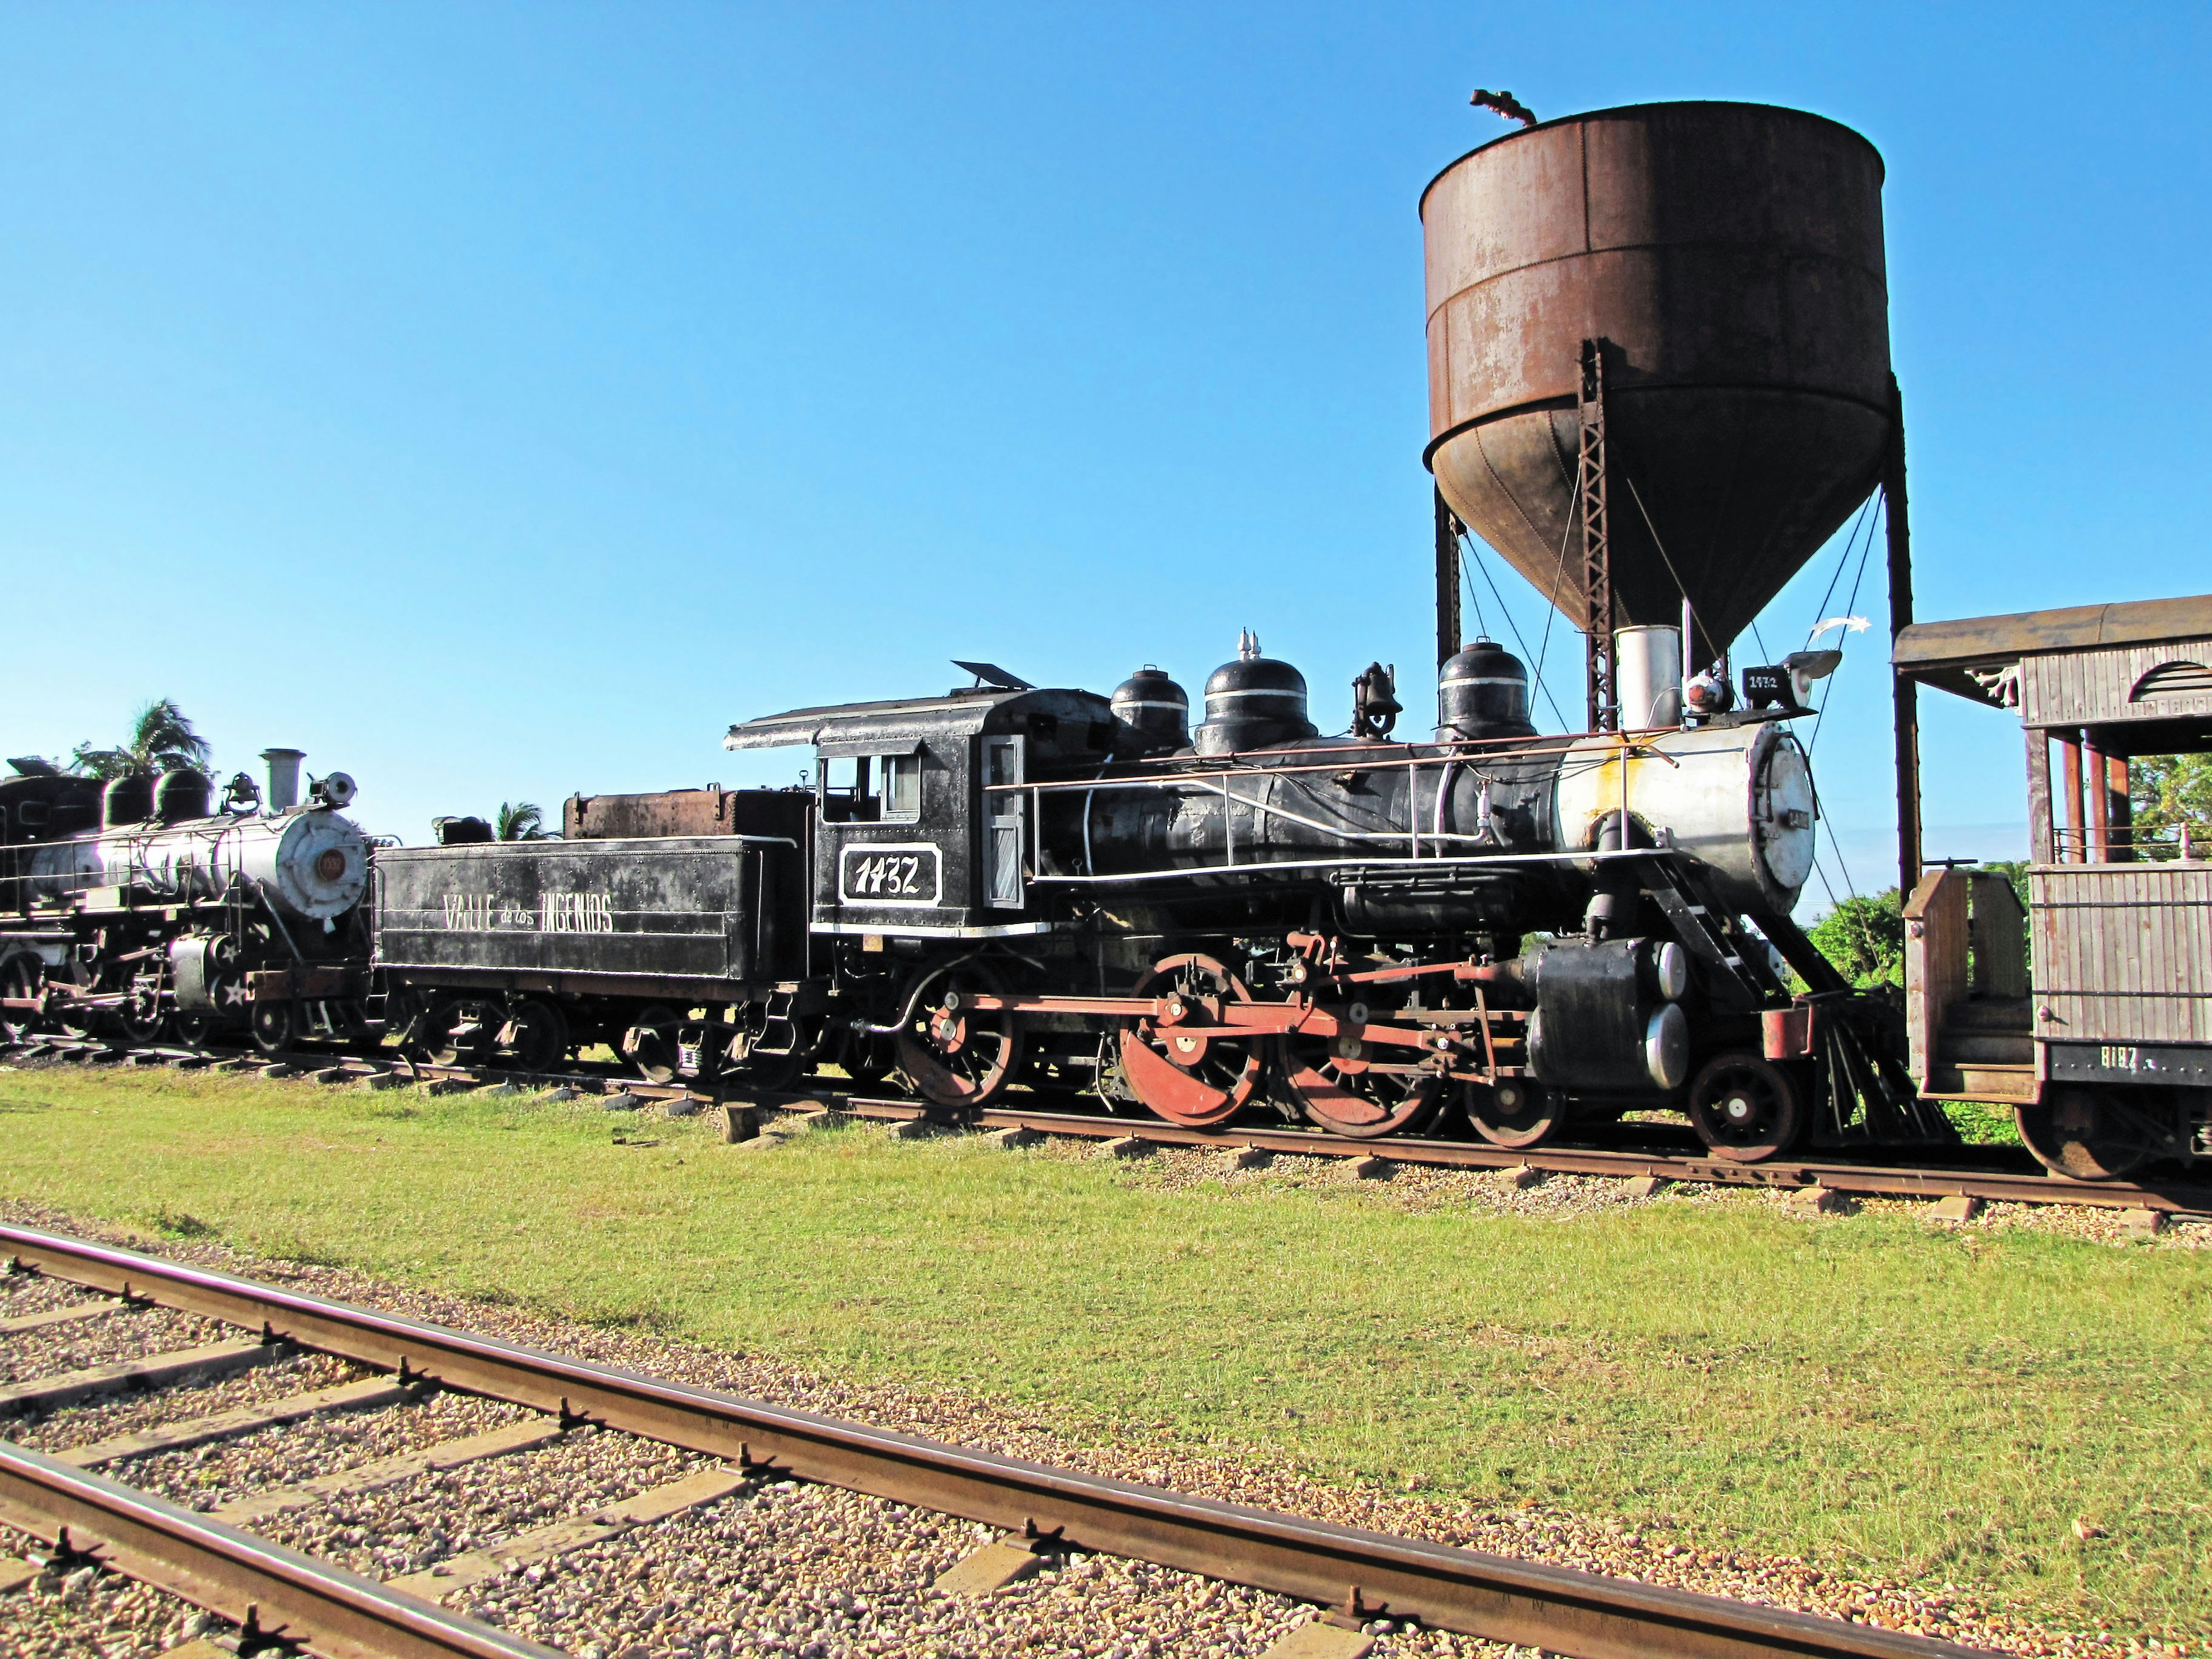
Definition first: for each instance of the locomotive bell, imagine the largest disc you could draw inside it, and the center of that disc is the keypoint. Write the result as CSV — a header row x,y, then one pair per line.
x,y
1252,703
1154,707
1483,692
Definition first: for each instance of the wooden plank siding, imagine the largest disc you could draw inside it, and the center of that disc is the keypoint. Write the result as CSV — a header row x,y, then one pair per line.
x,y
2091,688
1935,940
2122,951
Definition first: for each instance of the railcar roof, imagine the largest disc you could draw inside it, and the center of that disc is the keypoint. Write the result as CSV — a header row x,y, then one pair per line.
x,y
1941,653
966,709
1934,645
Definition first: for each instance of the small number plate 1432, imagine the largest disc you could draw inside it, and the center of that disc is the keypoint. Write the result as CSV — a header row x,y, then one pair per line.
x,y
879,874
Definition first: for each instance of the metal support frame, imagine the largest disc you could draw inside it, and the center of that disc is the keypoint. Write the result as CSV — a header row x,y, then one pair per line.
x,y
1604,699
1448,618
1904,688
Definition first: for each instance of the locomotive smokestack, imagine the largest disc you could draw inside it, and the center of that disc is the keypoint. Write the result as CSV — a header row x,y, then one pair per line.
x,y
283,777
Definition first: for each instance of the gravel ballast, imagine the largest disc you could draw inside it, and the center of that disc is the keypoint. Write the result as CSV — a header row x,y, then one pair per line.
x,y
812,1572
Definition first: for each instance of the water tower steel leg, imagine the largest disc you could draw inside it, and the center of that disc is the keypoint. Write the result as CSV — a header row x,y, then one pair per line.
x,y
1597,550
1906,689
1447,636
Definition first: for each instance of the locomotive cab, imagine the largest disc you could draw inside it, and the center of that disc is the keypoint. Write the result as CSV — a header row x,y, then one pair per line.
x,y
925,830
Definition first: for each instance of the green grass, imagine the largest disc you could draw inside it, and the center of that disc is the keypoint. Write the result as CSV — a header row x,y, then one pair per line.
x,y
1875,1394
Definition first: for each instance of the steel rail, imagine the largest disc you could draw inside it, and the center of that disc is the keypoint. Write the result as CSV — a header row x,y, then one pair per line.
x,y
271,1590
2173,1199
1492,1597
2176,1200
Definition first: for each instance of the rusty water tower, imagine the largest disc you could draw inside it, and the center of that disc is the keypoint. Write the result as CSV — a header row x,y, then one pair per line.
x,y
1659,370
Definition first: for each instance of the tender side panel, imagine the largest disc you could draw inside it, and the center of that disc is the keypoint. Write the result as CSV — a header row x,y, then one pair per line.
x,y
2122,952
707,909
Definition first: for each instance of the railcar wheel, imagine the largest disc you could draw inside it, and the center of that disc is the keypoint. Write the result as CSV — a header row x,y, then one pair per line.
x,y
954,1055
537,1034
652,1043
2087,1134
1196,1078
19,982
773,1067
867,1057
457,1031
1745,1108
275,1026
1515,1113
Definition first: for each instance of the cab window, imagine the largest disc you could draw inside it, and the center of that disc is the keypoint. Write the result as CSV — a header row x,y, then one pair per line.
x,y
901,795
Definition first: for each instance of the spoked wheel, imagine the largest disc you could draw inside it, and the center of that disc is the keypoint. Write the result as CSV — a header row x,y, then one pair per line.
x,y
1745,1108
20,978
140,1016
537,1035
1515,1113
75,1020
1194,1077
1349,1087
954,1055
653,1043
2087,1134
275,1026
192,1030
867,1057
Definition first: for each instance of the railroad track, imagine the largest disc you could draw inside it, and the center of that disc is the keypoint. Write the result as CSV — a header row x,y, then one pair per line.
x,y
2157,1201
210,1560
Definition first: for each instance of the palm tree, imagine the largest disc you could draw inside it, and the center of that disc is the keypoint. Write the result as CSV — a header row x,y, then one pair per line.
x,y
521,820
161,740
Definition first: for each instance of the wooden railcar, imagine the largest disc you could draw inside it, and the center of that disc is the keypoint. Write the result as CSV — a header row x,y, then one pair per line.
x,y
2096,1026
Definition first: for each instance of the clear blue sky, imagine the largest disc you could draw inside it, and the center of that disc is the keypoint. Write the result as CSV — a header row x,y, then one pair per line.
x,y
497,401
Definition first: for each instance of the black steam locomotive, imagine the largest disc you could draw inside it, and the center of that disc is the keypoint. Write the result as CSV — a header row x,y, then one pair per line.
x,y
139,906
1010,885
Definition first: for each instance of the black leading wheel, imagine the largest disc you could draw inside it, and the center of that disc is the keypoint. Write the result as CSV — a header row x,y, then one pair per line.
x,y
1745,1108
276,1026
2087,1134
